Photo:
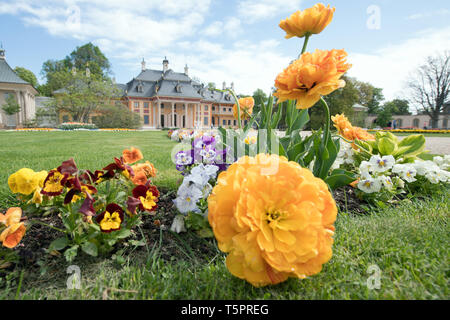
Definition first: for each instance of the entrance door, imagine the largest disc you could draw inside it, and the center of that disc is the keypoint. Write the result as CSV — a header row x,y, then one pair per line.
x,y
162,121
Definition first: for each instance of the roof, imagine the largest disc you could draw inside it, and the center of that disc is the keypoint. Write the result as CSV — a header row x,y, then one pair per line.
x,y
150,83
8,75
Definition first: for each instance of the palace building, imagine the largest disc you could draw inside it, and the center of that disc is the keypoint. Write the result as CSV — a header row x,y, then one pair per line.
x,y
23,92
168,99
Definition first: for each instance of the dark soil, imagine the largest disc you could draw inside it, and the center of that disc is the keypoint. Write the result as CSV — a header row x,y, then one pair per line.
x,y
347,201
155,229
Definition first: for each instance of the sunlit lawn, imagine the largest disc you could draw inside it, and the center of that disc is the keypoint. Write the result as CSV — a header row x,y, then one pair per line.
x,y
409,243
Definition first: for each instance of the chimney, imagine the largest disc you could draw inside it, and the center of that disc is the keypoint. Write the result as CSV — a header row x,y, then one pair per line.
x,y
186,70
165,64
2,53
232,86
143,65
224,85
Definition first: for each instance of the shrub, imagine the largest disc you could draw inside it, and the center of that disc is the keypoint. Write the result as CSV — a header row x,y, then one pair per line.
x,y
118,116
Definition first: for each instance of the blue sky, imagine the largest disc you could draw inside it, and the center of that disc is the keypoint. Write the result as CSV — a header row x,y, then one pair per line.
x,y
237,41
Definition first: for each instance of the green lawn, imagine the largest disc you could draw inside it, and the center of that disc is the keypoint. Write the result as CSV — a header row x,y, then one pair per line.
x,y
409,243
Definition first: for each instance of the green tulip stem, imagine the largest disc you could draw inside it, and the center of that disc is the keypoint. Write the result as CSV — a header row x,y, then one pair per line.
x,y
326,129
305,43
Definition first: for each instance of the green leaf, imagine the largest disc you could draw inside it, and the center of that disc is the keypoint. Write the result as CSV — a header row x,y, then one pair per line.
x,y
386,146
340,178
90,249
301,120
122,234
411,146
71,253
58,244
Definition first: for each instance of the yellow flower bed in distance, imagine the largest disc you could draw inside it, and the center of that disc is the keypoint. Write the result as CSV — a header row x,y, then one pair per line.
x,y
411,131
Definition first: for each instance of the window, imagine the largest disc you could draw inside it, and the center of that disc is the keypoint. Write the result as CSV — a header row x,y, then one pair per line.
x,y
205,121
206,108
445,123
136,104
146,120
224,109
224,122
416,123
234,122
229,122
65,118
162,105
146,105
229,109
147,111
213,108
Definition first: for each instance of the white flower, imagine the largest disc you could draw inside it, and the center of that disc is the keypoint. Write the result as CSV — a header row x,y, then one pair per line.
x,y
178,224
346,152
183,159
400,183
369,185
365,168
432,177
201,174
206,190
208,155
337,163
382,164
442,163
387,182
187,196
424,167
437,176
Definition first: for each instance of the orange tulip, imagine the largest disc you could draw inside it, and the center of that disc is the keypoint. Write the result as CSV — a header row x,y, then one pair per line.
x,y
349,132
272,225
307,22
246,105
311,76
132,156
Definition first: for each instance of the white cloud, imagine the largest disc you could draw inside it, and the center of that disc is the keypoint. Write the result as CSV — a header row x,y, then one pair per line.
x,y
230,27
416,16
389,67
136,27
255,10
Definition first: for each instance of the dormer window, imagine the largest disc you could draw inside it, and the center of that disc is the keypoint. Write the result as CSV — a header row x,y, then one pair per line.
x,y
178,88
140,87
227,97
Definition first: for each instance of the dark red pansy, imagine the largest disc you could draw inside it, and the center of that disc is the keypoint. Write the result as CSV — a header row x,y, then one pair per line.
x,y
54,183
132,204
68,167
87,208
111,208
141,191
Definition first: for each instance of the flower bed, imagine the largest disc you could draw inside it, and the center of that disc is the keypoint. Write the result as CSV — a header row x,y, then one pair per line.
x,y
77,125
412,130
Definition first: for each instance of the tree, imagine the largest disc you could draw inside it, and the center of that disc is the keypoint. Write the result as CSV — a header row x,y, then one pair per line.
x,y
397,106
84,95
59,72
211,85
430,86
339,101
27,75
369,96
11,106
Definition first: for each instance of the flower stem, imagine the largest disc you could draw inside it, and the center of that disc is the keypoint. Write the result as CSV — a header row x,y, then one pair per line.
x,y
326,129
305,44
49,226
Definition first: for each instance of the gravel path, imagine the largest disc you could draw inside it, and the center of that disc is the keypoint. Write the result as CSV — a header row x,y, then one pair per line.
x,y
436,145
